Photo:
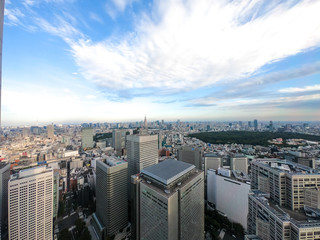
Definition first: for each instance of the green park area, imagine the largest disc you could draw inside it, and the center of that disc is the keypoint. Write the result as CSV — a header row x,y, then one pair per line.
x,y
252,138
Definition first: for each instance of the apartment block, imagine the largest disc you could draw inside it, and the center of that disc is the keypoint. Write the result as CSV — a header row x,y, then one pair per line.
x,y
30,204
285,181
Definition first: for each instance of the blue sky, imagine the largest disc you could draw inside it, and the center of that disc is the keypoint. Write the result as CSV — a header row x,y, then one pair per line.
x,y
85,61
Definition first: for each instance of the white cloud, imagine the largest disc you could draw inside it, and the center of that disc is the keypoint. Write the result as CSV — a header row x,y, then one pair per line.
x,y
91,97
13,16
303,89
197,43
234,103
95,17
122,4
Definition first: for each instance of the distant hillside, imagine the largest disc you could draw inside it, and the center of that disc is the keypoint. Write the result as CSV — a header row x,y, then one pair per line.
x,y
245,137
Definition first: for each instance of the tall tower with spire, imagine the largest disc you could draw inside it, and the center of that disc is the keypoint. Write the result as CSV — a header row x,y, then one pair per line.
x,y
145,123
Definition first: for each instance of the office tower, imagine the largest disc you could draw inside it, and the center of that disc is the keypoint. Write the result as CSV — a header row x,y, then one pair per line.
x,y
269,221
255,124
239,162
171,202
145,123
249,124
285,181
271,126
87,137
31,204
111,197
4,178
1,39
142,152
228,192
119,140
160,139
212,161
56,177
25,132
50,131
192,155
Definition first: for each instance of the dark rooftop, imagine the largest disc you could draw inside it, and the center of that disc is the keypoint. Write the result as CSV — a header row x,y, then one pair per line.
x,y
168,170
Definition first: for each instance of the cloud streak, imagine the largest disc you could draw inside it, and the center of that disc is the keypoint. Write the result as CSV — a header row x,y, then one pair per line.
x,y
192,44
301,90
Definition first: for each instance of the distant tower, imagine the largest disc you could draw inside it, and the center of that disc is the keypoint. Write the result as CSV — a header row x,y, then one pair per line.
x,y
50,131
145,122
255,124
1,32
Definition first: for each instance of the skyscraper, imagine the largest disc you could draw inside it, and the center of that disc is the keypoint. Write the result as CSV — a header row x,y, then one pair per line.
x,y
111,197
255,124
31,204
1,37
192,155
142,152
4,178
50,131
119,140
87,137
171,202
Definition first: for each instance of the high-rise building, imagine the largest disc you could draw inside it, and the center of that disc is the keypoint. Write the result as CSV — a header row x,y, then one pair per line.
x,y
1,39
50,131
142,152
285,181
255,124
56,177
169,203
228,192
111,197
4,178
119,140
30,204
268,220
192,155
212,161
239,162
87,137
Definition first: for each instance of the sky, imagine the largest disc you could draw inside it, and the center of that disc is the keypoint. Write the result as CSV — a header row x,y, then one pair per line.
x,y
71,61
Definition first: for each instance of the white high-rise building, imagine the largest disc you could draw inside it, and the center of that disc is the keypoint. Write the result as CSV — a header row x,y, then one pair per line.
x,y
229,194
30,204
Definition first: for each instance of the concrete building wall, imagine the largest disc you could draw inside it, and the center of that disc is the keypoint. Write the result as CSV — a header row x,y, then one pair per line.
x,y
212,163
239,164
142,152
87,137
190,155
31,205
229,196
112,196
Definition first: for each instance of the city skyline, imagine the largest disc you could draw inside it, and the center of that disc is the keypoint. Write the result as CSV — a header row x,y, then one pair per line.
x,y
75,61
